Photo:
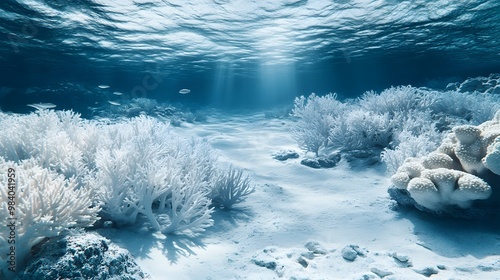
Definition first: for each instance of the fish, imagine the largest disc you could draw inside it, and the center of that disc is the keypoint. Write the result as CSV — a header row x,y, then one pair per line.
x,y
184,91
114,103
42,106
117,93
103,86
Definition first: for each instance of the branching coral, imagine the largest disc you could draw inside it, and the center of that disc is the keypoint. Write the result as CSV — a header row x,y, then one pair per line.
x,y
230,188
46,204
143,169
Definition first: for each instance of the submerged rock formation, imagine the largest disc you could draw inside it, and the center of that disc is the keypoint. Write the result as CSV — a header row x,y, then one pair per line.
x,y
81,256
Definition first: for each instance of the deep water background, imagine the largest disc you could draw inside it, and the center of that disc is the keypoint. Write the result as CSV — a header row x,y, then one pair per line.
x,y
237,53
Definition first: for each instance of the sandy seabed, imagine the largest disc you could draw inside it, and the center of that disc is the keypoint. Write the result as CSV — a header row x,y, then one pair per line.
x,y
301,222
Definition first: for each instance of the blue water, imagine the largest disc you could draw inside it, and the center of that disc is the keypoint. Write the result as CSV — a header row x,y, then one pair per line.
x,y
237,52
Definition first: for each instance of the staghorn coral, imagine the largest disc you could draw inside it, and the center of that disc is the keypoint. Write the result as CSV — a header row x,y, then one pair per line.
x,y
46,205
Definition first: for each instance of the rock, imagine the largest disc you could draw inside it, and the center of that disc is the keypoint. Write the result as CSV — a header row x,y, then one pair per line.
x,y
285,154
322,162
316,248
265,259
402,260
269,263
380,272
81,256
330,161
441,267
349,253
303,262
361,251
308,255
427,272
311,162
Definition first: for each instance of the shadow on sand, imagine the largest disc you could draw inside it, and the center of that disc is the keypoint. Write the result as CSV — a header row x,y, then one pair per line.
x,y
453,237
141,242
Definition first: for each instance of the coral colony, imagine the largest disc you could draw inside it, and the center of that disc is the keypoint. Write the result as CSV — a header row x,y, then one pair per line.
x,y
71,173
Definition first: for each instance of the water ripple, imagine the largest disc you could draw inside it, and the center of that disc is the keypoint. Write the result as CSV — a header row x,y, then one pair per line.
x,y
194,35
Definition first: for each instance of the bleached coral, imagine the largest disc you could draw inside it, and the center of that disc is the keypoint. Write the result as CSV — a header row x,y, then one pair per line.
x,y
492,158
46,136
463,169
473,107
360,129
230,188
46,204
316,117
397,99
439,187
143,169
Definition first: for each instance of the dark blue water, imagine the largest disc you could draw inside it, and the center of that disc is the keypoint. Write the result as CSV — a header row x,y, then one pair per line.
x,y
237,52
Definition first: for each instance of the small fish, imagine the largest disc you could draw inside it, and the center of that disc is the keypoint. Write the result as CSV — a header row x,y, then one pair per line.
x,y
103,86
42,106
184,91
117,93
114,103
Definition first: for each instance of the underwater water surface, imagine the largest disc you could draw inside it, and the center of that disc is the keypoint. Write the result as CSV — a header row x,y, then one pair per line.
x,y
237,53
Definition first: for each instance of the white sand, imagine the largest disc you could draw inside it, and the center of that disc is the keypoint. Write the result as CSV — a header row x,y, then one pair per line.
x,y
294,204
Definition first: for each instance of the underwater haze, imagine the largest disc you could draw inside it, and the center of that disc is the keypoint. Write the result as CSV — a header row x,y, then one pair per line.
x,y
234,53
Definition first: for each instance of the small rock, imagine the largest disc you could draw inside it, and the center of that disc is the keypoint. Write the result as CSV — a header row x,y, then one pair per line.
x,y
270,264
427,272
316,248
322,162
308,255
265,259
303,262
380,272
330,161
441,267
269,249
402,260
360,251
349,253
311,162
285,154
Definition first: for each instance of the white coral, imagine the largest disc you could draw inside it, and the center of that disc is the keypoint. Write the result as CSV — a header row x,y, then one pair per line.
x,y
436,188
143,169
47,204
47,136
492,158
457,169
230,188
